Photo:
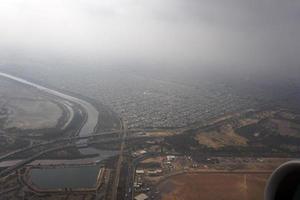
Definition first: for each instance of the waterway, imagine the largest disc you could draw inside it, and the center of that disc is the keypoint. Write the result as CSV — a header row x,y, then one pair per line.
x,y
92,112
68,173
70,177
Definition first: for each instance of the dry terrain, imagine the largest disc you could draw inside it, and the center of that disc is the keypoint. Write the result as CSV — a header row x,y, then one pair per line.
x,y
219,138
31,114
225,133
214,186
24,107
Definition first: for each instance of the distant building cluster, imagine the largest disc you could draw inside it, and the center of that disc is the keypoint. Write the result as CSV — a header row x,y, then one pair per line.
x,y
147,102
171,105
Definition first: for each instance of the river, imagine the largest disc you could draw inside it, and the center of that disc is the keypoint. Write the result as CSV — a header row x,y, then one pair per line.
x,y
92,113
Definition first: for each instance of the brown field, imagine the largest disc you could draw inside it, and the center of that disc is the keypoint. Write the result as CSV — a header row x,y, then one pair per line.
x,y
214,186
153,160
286,128
159,133
224,136
26,107
32,114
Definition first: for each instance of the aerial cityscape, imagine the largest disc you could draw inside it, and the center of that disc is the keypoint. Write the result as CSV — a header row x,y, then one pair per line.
x,y
138,100
59,144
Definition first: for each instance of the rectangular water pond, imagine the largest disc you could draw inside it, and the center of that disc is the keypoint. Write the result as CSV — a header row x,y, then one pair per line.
x,y
65,177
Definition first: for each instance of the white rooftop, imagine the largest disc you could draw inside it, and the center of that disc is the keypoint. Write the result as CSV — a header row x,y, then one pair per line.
x,y
141,196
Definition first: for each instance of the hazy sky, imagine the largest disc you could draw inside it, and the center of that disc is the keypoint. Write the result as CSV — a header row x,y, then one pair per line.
x,y
153,32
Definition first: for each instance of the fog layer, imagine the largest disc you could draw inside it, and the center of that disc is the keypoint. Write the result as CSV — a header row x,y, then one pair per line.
x,y
222,35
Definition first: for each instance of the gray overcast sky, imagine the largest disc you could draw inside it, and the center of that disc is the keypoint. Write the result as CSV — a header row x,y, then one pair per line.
x,y
156,32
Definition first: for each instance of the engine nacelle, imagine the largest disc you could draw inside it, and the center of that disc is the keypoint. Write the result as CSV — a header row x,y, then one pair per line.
x,y
284,183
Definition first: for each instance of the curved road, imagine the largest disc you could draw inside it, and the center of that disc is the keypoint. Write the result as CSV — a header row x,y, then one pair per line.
x,y
92,113
86,130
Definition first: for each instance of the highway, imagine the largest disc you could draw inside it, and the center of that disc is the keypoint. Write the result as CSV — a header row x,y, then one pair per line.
x,y
87,128
86,131
119,164
30,159
5,157
123,139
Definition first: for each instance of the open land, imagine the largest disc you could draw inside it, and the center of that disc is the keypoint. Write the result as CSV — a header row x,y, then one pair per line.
x,y
214,186
25,108
152,148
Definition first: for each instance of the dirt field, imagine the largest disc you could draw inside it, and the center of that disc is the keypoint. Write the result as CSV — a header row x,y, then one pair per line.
x,y
26,108
214,186
286,128
32,114
281,122
225,136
